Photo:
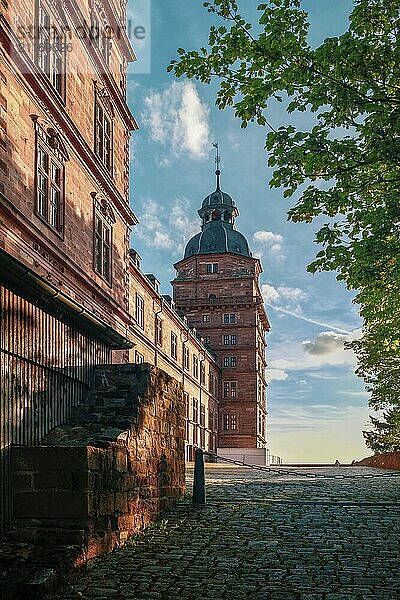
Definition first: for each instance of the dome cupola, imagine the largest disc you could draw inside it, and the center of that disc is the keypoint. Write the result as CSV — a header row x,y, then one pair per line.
x,y
218,234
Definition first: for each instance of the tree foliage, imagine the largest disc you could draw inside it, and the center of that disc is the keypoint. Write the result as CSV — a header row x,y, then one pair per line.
x,y
345,167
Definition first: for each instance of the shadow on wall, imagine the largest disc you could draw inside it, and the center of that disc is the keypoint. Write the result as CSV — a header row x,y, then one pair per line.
x,y
105,475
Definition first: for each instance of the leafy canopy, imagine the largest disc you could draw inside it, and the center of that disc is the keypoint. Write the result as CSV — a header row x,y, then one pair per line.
x,y
346,166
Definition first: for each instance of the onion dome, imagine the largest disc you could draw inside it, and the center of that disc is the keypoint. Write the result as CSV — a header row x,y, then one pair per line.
x,y
218,234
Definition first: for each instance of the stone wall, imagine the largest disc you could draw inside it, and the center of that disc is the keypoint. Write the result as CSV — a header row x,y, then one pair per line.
x,y
387,460
109,471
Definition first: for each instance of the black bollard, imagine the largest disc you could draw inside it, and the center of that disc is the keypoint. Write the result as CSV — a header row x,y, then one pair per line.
x,y
199,486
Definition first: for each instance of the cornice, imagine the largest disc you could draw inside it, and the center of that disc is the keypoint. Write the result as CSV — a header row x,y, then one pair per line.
x,y
125,44
214,256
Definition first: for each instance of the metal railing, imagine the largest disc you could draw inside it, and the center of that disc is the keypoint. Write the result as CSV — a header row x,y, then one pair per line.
x,y
199,494
46,368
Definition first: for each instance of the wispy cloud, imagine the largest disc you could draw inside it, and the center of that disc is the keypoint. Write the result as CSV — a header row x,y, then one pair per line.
x,y
295,314
276,375
267,242
178,118
309,417
360,393
282,295
166,228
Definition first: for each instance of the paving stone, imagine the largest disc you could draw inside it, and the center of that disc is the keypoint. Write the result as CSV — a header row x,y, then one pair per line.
x,y
263,536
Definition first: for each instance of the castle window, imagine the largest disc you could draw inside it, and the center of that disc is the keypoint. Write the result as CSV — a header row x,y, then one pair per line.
x,y
139,358
195,434
195,410
139,310
49,190
202,415
202,374
210,419
229,422
187,403
159,331
102,247
229,318
49,193
229,361
229,340
230,389
186,358
212,268
174,345
103,129
50,50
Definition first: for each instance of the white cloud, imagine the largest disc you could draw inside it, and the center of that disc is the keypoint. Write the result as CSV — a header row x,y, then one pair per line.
x,y
297,314
282,294
322,375
326,342
327,349
178,117
276,375
354,393
270,243
162,240
313,417
166,228
269,293
267,237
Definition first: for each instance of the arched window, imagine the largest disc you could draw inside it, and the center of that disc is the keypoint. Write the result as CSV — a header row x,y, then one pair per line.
x,y
227,216
212,297
215,215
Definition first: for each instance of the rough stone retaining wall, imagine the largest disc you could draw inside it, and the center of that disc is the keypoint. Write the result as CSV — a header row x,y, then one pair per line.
x,y
109,471
387,460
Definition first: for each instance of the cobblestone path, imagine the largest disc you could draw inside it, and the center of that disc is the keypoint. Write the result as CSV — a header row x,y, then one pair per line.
x,y
262,537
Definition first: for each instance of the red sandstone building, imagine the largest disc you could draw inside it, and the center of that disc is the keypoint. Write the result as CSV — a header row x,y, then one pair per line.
x,y
64,211
72,293
216,288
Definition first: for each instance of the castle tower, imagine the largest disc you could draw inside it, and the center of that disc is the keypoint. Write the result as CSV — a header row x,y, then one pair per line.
x,y
216,287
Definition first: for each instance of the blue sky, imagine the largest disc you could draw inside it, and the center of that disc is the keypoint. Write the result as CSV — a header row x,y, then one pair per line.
x,y
317,406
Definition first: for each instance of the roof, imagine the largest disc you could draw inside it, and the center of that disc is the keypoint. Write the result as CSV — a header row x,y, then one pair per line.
x,y
217,237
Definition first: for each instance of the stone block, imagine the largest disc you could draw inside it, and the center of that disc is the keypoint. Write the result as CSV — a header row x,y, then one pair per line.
x,y
50,505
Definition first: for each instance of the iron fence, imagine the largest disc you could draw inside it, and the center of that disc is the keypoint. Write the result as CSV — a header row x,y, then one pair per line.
x,y
46,367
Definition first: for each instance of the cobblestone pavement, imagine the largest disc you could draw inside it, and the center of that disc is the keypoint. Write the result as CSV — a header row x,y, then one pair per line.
x,y
262,536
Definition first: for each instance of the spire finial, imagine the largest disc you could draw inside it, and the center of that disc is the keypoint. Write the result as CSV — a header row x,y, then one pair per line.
x,y
217,161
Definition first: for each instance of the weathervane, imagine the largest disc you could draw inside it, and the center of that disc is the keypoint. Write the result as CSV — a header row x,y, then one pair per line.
x,y
217,161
